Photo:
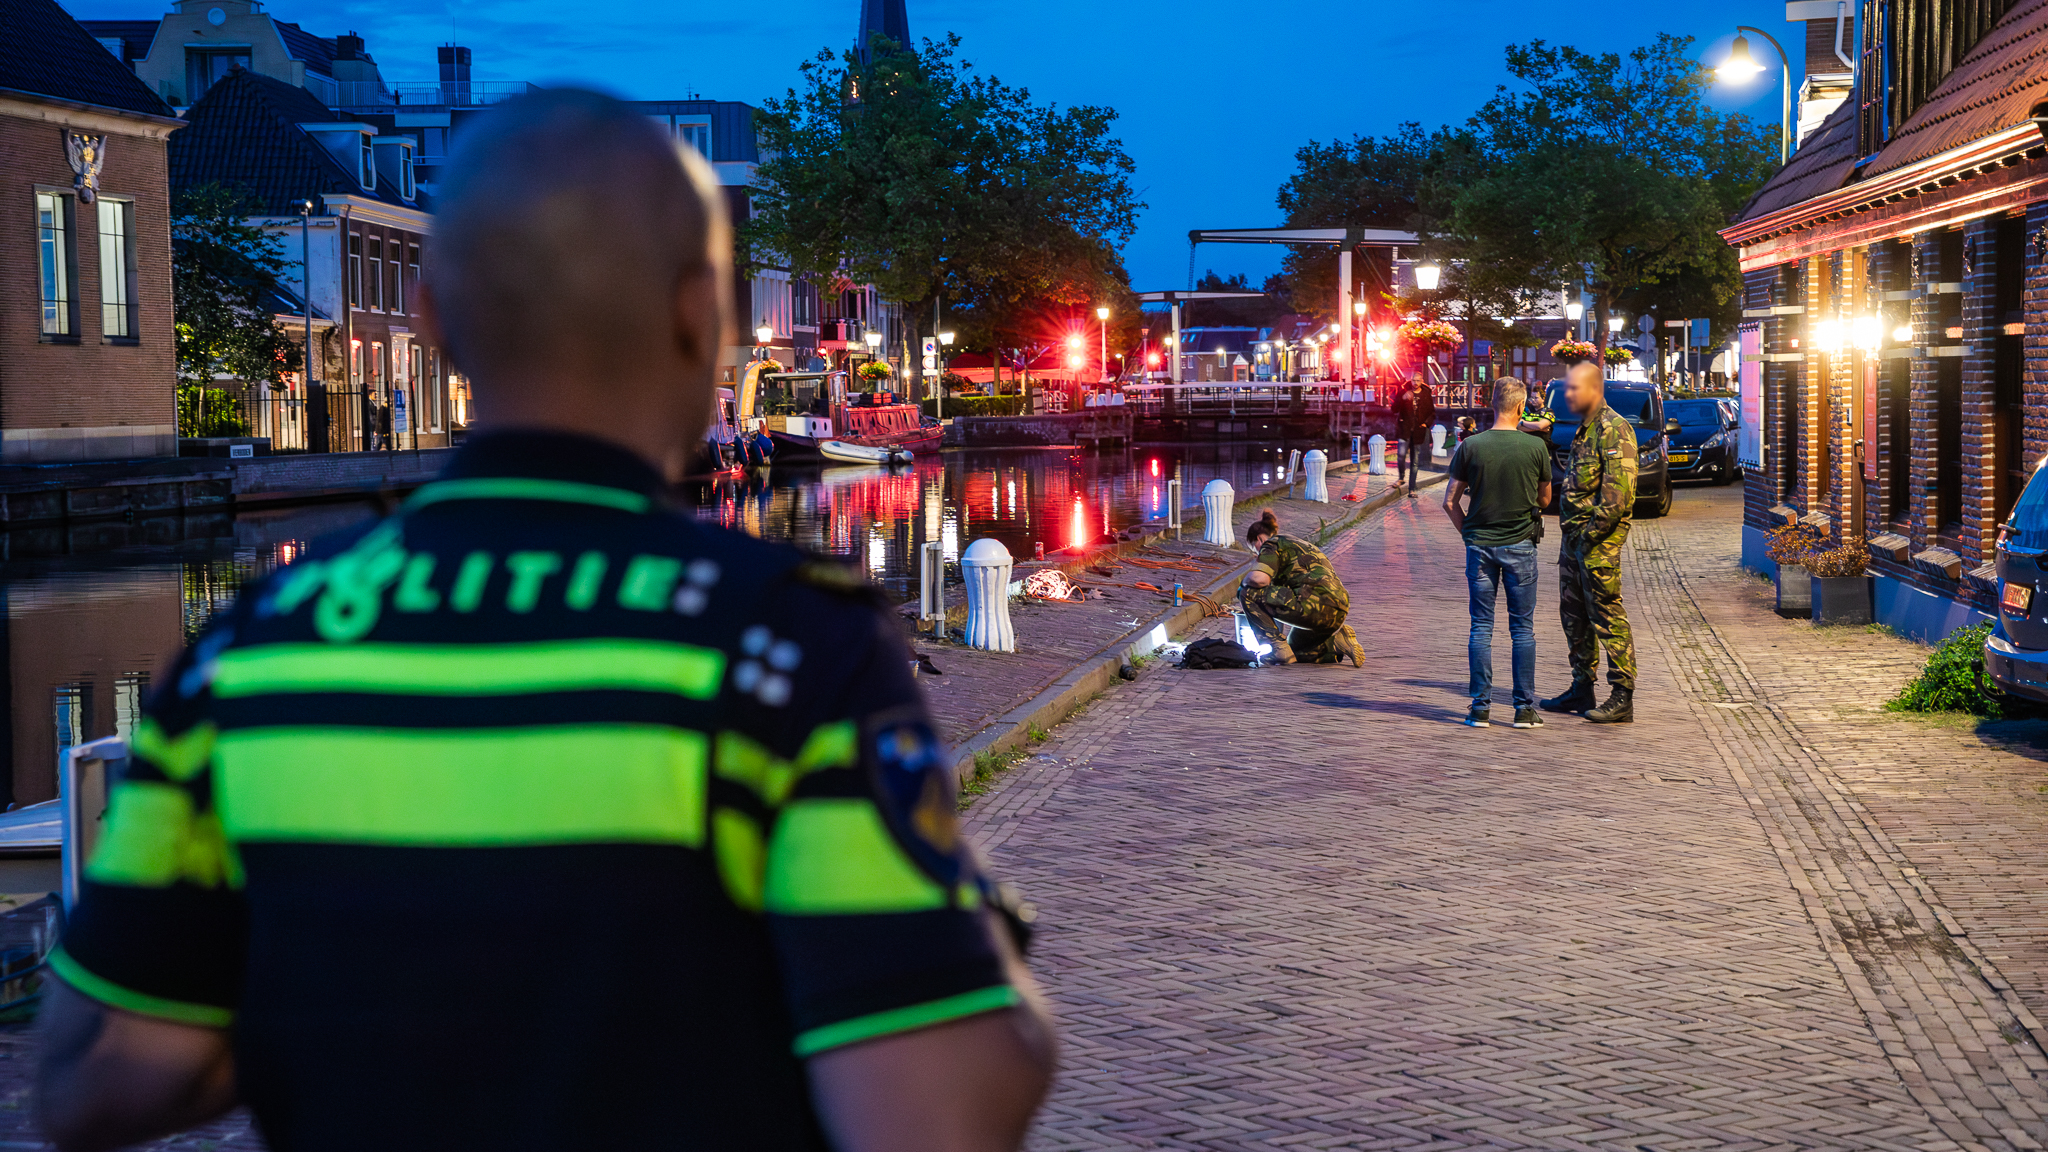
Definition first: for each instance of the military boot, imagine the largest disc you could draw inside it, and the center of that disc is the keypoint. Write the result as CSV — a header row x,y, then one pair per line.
x,y
1578,698
1282,653
1619,709
1348,641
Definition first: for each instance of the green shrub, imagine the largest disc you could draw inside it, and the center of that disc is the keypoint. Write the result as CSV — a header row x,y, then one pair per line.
x,y
1953,680
977,406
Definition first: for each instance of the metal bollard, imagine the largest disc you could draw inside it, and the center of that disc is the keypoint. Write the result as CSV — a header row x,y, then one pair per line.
x,y
83,793
1437,435
1293,465
1217,501
1378,447
1173,505
1317,465
931,586
1354,451
986,566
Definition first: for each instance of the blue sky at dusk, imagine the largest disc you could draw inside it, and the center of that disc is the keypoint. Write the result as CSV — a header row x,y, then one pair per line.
x,y
1214,96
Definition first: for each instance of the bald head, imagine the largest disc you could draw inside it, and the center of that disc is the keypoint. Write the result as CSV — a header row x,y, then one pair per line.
x,y
582,258
1585,388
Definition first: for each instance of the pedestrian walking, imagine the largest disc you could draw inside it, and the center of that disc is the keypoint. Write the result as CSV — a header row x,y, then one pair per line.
x,y
1599,495
1294,601
1414,414
1506,475
540,814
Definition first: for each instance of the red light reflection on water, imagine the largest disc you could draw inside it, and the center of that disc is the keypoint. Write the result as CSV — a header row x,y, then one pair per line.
x,y
1078,533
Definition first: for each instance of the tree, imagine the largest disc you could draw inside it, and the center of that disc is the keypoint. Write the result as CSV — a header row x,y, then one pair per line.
x,y
1617,173
909,172
224,275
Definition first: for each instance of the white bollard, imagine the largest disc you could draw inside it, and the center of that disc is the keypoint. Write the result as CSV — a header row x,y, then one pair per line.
x,y
1437,435
986,568
1317,465
1377,462
1217,501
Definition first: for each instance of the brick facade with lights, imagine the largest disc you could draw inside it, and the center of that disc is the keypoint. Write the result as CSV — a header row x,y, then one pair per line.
x,y
1894,271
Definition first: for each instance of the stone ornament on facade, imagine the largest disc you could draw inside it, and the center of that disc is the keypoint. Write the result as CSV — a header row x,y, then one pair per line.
x,y
87,154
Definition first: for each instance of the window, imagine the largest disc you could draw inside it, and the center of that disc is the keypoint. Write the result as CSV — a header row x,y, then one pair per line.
x,y
377,366
59,263
697,136
412,270
1898,376
373,268
429,388
355,363
1948,442
355,271
395,294
205,67
117,270
368,160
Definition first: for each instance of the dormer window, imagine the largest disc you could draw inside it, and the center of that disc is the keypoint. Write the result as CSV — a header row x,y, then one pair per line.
x,y
394,164
351,145
369,166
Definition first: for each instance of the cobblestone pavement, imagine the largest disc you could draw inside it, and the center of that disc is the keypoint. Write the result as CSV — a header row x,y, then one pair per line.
x,y
1303,907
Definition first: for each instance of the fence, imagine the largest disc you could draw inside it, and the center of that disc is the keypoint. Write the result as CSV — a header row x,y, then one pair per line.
x,y
326,420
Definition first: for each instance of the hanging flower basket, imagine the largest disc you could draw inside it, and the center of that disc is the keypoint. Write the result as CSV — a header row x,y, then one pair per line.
x,y
1574,351
873,370
770,364
1431,336
1616,357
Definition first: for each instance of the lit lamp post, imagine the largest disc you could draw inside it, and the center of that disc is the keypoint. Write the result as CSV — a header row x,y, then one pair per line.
x,y
1358,318
762,336
1741,66
1102,315
939,397
1575,311
874,343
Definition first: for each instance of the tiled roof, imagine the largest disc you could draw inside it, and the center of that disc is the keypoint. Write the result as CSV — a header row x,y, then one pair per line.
x,y
1820,165
137,35
44,51
245,133
1996,82
316,51
1991,89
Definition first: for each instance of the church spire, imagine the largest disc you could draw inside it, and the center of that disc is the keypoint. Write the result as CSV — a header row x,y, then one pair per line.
x,y
886,17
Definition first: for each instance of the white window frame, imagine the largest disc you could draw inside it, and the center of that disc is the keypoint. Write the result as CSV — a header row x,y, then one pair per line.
x,y
57,265
119,317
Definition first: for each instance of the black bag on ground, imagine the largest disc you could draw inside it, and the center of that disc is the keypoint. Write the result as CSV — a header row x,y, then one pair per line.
x,y
1218,654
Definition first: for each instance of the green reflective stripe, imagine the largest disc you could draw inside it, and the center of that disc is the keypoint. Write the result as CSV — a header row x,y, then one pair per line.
x,y
743,760
834,745
476,787
128,1000
906,1019
736,843
180,757
836,857
472,669
154,839
527,488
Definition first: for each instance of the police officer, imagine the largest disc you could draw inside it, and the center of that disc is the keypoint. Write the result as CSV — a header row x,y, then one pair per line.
x,y
541,815
1537,418
1294,600
1599,494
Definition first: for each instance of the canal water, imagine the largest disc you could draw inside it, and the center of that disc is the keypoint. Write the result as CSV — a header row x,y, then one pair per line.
x,y
94,613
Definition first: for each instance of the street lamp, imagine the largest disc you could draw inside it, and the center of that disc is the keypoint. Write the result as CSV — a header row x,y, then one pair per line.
x,y
1428,275
1614,324
762,336
1740,66
1102,315
874,343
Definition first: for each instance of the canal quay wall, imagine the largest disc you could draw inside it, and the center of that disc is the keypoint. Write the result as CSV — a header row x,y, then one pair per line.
x,y
44,496
990,703
1097,427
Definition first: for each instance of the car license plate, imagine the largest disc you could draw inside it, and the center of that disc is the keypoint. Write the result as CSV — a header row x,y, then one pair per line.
x,y
2017,598
1681,457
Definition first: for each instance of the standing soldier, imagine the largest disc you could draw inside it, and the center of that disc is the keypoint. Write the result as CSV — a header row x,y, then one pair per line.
x,y
1599,494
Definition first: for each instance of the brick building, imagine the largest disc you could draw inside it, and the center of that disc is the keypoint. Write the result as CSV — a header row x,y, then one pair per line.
x,y
356,259
1895,368
87,355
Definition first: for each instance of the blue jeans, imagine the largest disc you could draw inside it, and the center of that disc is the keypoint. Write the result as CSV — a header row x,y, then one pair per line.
x,y
1486,569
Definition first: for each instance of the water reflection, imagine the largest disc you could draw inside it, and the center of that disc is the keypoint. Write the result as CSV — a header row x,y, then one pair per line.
x,y
877,518
94,612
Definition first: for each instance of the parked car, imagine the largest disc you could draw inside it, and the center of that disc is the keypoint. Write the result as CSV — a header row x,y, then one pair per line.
x,y
2016,652
1642,406
1703,448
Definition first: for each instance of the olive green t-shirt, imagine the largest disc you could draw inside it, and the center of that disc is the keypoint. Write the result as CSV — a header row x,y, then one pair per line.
x,y
1504,470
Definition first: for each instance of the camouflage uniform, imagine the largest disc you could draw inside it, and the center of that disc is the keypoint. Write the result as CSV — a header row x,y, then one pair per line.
x,y
1304,593
1599,494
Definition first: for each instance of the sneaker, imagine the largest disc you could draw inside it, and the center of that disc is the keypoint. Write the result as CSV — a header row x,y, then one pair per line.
x,y
1481,716
1528,718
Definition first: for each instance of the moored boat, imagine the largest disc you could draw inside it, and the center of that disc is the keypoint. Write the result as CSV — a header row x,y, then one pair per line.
x,y
847,453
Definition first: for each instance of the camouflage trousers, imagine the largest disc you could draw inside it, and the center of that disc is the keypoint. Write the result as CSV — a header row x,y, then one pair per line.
x,y
1304,625
1589,583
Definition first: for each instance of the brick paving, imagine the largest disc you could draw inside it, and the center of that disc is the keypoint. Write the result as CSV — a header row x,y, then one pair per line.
x,y
1303,907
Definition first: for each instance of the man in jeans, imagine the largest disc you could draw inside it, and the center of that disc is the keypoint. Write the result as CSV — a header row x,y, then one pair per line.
x,y
1506,472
